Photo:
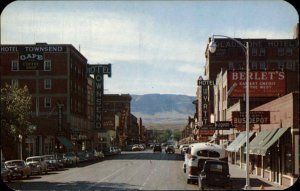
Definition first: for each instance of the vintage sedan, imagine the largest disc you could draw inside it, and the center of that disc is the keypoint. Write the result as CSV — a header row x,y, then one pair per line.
x,y
6,173
37,164
71,158
19,168
215,173
52,162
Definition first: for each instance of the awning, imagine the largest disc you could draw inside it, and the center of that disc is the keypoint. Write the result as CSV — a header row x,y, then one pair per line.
x,y
239,142
257,141
262,151
233,147
65,142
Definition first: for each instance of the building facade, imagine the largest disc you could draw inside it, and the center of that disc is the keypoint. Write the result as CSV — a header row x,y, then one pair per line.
x,y
56,78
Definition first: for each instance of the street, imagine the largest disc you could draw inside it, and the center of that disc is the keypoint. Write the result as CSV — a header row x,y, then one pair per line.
x,y
140,170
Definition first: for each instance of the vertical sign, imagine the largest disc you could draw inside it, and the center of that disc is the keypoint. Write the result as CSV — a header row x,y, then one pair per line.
x,y
99,70
205,102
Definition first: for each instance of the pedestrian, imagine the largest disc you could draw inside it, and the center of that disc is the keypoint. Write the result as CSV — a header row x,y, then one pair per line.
x,y
252,163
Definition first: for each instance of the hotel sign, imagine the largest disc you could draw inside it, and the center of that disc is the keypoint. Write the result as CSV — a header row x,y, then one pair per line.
x,y
31,57
261,83
99,70
255,117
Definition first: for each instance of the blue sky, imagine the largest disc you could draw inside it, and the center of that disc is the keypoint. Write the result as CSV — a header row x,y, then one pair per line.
x,y
153,46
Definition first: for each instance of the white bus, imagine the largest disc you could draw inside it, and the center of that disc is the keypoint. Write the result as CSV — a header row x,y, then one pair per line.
x,y
197,154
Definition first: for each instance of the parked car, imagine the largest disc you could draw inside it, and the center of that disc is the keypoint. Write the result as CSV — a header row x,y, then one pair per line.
x,y
71,158
98,154
19,168
61,160
215,173
6,174
117,150
157,147
37,164
170,149
136,147
108,151
52,162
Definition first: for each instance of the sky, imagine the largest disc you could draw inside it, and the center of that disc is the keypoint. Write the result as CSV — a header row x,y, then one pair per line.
x,y
153,46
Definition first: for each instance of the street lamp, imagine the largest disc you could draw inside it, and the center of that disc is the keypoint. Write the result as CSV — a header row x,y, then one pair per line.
x,y
20,139
212,48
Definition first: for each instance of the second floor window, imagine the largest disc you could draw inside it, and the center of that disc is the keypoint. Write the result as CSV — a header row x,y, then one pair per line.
x,y
14,65
47,65
47,84
47,102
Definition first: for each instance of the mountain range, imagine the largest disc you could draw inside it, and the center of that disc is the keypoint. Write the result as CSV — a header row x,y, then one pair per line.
x,y
163,110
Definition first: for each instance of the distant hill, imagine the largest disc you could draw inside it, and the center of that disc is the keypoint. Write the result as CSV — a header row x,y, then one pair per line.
x,y
163,110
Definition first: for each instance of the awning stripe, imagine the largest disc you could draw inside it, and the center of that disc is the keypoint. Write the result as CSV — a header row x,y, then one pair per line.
x,y
279,133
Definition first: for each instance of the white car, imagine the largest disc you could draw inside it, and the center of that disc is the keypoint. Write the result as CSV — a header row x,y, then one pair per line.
x,y
37,164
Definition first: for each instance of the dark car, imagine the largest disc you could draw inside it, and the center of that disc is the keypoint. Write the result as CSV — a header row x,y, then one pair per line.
x,y
215,173
170,149
6,173
19,168
157,148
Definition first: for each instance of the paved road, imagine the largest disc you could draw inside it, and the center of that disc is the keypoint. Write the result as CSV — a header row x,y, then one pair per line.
x,y
143,170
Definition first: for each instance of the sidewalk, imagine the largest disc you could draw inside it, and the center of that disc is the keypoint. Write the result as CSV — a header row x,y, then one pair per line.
x,y
238,176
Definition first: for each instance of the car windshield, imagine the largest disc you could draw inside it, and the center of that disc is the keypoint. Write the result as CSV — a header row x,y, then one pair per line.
x,y
33,160
15,163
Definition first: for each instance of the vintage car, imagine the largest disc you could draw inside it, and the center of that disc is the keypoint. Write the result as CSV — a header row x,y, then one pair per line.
x,y
170,149
215,173
197,154
19,168
52,162
37,164
157,147
71,159
6,174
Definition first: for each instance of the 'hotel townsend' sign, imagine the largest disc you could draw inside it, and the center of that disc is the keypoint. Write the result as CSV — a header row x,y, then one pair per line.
x,y
31,57
261,83
99,71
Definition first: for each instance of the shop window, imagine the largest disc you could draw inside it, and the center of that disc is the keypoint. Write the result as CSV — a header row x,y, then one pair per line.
x,y
288,159
254,65
280,66
262,66
14,65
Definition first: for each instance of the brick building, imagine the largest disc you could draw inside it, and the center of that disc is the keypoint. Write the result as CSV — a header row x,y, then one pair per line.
x,y
56,78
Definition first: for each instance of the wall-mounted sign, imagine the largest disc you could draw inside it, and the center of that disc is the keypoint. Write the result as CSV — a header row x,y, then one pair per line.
x,y
255,117
223,125
261,83
99,70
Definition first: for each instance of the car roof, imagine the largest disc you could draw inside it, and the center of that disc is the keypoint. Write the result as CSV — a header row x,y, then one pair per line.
x,y
14,161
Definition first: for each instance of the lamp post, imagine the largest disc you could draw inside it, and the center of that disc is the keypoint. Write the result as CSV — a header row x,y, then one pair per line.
x,y
20,139
212,48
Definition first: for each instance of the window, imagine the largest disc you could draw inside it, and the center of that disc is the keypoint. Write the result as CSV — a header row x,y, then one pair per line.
x,y
254,51
280,65
14,83
289,51
47,84
230,66
290,65
14,65
262,52
254,65
47,102
262,65
47,65
280,51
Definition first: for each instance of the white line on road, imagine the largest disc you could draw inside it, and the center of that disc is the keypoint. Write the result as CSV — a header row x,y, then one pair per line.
x,y
106,178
